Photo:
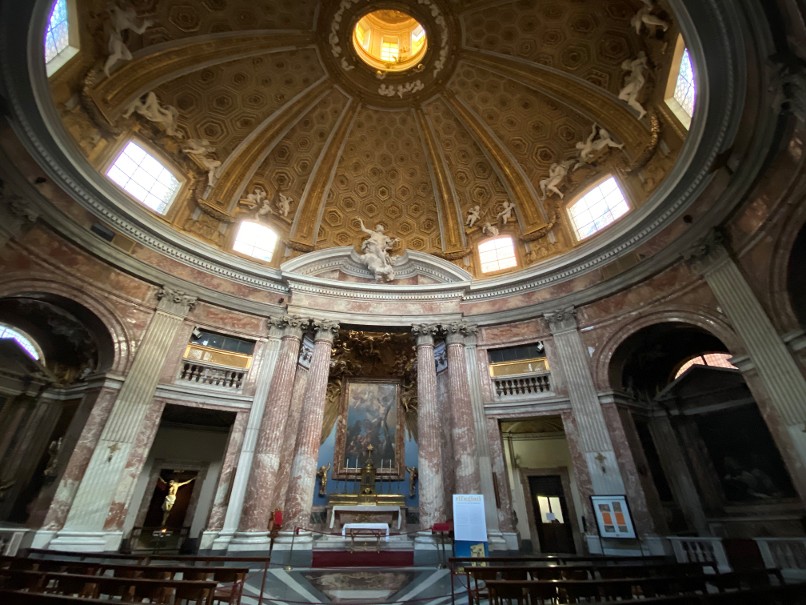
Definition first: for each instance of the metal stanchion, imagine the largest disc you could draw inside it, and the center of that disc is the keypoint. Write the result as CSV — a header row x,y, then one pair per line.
x,y
288,566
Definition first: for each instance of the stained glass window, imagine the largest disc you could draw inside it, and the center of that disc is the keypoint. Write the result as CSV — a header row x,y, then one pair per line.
x,y
256,240
598,208
144,177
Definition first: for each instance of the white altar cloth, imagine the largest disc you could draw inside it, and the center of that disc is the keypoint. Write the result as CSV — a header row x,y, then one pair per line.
x,y
367,508
371,526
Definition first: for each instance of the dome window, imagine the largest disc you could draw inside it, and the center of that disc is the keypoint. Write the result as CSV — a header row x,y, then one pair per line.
x,y
497,254
61,37
144,177
255,240
597,208
7,332
389,40
714,360
681,89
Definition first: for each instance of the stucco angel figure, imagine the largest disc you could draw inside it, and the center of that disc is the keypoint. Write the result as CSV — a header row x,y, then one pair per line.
x,y
489,229
598,140
557,174
121,19
257,202
376,249
644,17
634,82
198,147
473,215
150,108
284,204
170,497
507,208
213,168
322,474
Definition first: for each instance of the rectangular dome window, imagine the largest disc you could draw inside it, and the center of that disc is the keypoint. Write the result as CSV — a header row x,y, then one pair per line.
x,y
144,177
597,208
61,36
497,254
255,240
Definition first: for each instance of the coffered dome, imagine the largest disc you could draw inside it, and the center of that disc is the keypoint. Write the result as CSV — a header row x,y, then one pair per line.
x,y
272,111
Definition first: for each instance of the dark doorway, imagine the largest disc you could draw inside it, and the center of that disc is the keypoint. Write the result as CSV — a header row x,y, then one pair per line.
x,y
552,520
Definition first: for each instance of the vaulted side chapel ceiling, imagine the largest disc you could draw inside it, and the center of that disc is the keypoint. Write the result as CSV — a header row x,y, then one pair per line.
x,y
288,109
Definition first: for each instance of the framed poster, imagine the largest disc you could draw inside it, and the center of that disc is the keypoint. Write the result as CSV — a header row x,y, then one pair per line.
x,y
613,517
370,416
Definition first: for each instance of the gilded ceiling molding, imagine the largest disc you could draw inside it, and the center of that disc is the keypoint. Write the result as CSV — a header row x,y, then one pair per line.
x,y
242,163
305,228
509,170
579,96
451,231
165,62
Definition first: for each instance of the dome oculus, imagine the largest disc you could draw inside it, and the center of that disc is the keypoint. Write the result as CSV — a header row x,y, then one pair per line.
x,y
389,40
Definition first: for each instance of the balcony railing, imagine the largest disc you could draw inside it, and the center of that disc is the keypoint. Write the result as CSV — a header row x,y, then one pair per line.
x,y
202,374
523,385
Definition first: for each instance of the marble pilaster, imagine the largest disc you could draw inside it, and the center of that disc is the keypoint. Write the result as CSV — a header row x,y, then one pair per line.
x,y
16,216
506,523
677,473
262,487
303,470
432,500
265,362
234,447
594,443
463,425
110,462
778,372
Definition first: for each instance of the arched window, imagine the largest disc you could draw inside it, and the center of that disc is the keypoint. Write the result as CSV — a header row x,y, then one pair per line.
x,y
255,240
61,36
144,177
714,360
681,89
597,208
497,254
7,332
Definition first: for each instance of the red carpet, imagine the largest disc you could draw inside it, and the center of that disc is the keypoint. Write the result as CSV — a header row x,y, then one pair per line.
x,y
362,558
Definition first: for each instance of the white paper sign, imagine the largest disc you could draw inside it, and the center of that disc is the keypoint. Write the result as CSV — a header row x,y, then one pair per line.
x,y
468,518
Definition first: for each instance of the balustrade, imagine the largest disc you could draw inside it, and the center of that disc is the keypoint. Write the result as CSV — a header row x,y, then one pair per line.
x,y
198,373
509,387
700,550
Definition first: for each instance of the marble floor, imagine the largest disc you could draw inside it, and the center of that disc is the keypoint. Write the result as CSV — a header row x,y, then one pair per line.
x,y
376,585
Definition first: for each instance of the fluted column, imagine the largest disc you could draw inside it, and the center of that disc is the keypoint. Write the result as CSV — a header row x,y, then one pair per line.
x,y
778,372
463,426
264,368
432,500
110,465
260,493
303,470
594,439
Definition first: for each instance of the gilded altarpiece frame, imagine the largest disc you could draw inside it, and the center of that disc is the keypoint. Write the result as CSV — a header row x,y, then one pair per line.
x,y
370,414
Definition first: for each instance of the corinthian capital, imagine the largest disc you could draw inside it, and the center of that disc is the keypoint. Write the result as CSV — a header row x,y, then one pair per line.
x,y
326,329
175,302
563,319
457,331
425,333
708,251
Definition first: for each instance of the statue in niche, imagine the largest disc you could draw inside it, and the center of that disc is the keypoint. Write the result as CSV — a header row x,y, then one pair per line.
x,y
507,208
376,249
598,141
322,474
473,215
53,458
557,174
634,82
121,19
644,17
489,229
149,107
170,497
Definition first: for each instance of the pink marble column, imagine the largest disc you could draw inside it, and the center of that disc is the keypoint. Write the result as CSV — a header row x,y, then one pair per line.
x,y
292,430
463,429
236,437
432,500
261,492
303,471
501,485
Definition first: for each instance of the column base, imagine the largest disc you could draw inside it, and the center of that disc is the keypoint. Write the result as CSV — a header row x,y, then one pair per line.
x,y
87,541
252,541
215,540
503,541
290,540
